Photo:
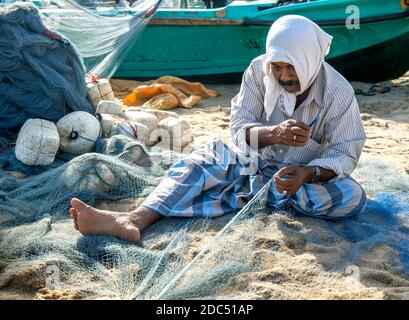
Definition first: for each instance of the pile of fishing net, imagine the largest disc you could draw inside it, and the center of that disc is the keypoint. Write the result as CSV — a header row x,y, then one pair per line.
x,y
41,74
42,52
42,255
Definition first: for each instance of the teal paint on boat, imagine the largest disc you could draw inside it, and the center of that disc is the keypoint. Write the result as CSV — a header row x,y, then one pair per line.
x,y
216,42
197,42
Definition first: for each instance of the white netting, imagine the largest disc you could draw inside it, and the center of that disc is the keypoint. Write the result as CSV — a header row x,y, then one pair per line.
x,y
101,31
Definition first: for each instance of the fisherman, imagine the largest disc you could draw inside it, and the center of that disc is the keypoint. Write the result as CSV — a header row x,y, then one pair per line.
x,y
295,124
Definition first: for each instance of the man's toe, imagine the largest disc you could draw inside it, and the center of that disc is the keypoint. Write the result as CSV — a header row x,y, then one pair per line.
x,y
78,204
74,213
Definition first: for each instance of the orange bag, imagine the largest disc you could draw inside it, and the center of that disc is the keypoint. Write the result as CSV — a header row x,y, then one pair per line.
x,y
187,94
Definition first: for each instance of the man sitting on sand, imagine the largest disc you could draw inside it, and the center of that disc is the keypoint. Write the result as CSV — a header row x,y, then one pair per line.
x,y
295,120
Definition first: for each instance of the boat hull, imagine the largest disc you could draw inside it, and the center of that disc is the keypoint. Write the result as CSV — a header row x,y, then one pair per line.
x,y
192,47
384,61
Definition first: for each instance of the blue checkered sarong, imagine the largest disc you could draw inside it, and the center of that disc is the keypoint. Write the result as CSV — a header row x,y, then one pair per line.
x,y
217,180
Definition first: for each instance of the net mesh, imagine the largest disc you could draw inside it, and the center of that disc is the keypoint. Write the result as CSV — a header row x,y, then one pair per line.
x,y
102,37
41,70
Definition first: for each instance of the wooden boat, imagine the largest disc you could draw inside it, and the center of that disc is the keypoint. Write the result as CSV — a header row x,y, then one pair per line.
x,y
217,42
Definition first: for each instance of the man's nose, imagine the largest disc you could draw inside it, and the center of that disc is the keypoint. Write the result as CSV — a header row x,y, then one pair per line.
x,y
285,76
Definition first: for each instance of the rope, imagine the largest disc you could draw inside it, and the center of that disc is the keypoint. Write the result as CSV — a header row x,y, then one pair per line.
x,y
74,135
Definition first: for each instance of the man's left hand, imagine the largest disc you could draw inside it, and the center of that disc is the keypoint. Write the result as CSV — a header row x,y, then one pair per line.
x,y
289,179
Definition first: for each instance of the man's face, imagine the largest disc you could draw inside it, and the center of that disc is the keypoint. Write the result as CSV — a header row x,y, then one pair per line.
x,y
286,76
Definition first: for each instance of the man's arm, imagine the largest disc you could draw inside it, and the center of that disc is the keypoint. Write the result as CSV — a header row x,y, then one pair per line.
x,y
247,108
309,174
246,128
345,137
290,179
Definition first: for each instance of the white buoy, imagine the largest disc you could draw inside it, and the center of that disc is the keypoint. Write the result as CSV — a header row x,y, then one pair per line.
x,y
107,122
78,132
37,142
109,107
100,179
179,134
147,119
131,129
100,89
174,125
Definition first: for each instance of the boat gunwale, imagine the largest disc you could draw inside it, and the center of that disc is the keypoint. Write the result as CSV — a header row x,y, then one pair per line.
x,y
394,16
254,22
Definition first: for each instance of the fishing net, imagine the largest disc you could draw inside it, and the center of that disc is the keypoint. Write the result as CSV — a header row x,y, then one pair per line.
x,y
42,50
41,253
41,58
101,31
102,37
40,72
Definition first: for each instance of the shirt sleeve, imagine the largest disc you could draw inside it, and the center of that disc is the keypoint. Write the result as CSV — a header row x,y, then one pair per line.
x,y
345,138
246,110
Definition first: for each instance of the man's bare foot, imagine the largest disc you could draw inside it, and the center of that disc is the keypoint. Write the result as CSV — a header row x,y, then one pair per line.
x,y
124,225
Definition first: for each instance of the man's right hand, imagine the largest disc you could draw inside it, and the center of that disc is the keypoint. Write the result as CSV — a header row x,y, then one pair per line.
x,y
292,133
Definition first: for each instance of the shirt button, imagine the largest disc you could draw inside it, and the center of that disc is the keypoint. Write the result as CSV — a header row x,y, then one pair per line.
x,y
281,151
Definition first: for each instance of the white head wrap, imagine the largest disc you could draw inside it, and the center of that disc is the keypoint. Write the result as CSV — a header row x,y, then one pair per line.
x,y
303,44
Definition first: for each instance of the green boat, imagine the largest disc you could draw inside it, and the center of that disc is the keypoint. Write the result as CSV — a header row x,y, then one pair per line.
x,y
220,42
371,37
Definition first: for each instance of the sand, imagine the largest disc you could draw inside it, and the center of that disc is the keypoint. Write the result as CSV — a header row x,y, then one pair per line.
x,y
290,265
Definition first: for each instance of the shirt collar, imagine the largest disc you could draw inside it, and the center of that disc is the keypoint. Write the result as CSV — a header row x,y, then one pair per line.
x,y
315,93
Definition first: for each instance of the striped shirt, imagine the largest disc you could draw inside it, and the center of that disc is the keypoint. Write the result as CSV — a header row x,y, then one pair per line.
x,y
331,109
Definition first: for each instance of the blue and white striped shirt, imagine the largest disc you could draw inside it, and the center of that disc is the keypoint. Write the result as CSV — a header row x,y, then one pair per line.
x,y
337,137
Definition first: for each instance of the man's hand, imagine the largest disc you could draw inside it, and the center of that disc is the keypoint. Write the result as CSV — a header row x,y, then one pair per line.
x,y
284,133
292,133
289,179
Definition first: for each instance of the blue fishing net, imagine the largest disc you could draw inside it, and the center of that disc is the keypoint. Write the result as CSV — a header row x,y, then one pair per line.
x,y
41,74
